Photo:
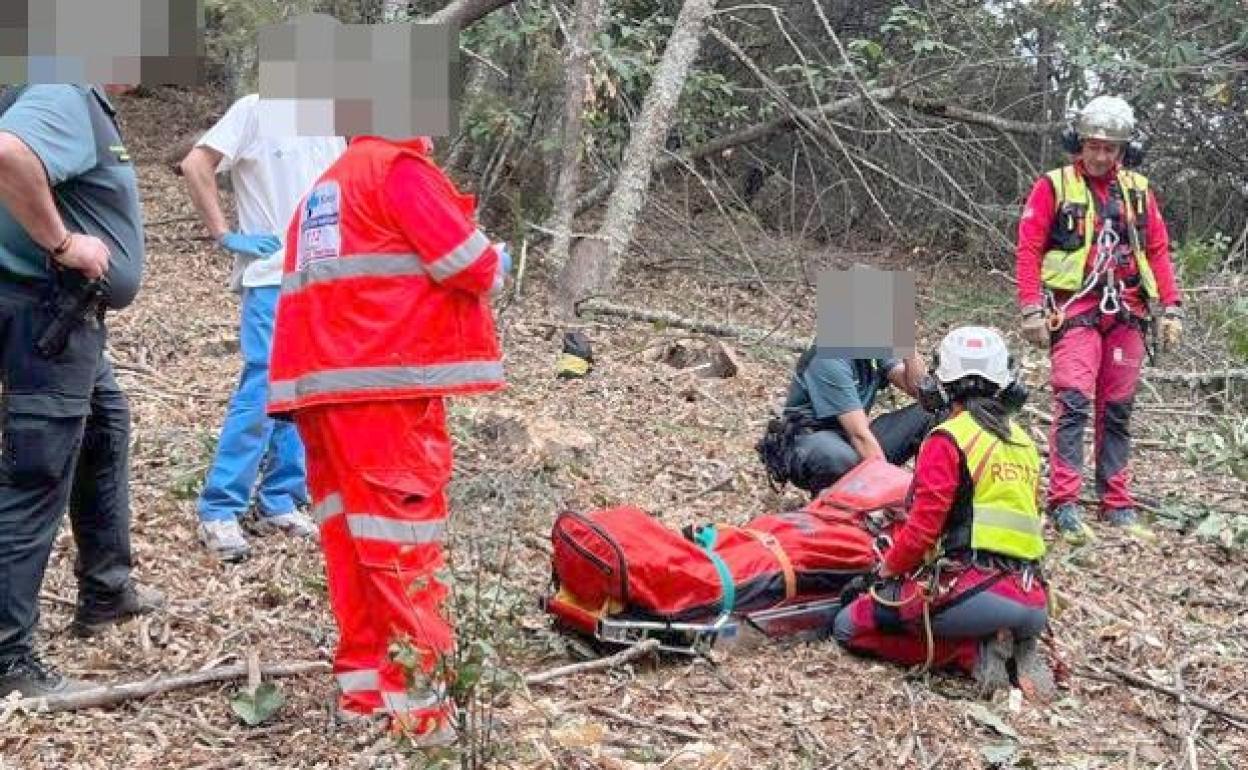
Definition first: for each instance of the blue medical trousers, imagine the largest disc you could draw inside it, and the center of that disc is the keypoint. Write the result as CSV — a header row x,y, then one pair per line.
x,y
254,446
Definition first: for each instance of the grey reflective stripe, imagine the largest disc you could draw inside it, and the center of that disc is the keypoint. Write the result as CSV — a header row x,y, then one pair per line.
x,y
363,680
386,378
396,530
326,509
402,703
1015,521
460,257
353,266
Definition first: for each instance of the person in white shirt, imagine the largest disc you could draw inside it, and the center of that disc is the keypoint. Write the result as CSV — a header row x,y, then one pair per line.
x,y
269,174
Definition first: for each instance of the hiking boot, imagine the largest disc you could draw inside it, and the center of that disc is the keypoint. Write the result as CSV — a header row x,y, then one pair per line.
x,y
1069,524
94,615
1035,678
295,524
1128,520
990,672
225,539
35,679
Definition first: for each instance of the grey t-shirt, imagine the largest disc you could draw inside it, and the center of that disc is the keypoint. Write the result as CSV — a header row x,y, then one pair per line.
x,y
93,183
828,387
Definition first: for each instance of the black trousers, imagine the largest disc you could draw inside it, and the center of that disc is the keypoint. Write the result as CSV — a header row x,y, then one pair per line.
x,y
819,458
66,439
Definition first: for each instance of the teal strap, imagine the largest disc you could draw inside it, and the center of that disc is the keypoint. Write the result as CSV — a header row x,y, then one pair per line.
x,y
705,539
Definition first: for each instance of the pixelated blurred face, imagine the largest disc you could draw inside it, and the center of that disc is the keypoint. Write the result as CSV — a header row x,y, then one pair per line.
x,y
323,78
865,313
118,42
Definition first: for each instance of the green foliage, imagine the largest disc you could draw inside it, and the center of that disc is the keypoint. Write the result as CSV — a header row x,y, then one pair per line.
x,y
1230,321
1222,446
1149,48
1200,257
1227,529
230,37
711,105
257,707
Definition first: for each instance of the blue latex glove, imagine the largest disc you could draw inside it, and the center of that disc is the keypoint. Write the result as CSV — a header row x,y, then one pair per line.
x,y
504,257
251,245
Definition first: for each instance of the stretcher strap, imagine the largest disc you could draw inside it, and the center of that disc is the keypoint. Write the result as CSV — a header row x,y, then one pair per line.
x,y
786,565
705,538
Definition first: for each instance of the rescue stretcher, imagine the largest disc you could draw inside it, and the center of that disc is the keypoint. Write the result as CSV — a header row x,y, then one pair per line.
x,y
621,577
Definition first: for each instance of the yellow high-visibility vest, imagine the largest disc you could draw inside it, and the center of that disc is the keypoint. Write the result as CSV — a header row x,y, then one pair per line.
x,y
1005,516
1063,264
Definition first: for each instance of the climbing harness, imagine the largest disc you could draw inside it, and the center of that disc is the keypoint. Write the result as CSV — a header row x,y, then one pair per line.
x,y
928,591
1102,274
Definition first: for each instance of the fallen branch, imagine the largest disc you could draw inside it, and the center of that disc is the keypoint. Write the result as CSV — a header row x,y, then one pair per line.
x,y
1135,680
791,120
112,694
621,657
746,333
632,721
1198,378
464,13
1187,739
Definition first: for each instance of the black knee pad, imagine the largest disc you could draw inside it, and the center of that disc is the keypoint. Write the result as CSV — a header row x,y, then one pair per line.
x,y
1075,406
1119,412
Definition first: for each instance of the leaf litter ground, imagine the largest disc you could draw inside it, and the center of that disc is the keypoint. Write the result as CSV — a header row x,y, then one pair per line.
x,y
671,442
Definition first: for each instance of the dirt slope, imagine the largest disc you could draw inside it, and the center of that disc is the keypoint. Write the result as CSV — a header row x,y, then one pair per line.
x,y
668,441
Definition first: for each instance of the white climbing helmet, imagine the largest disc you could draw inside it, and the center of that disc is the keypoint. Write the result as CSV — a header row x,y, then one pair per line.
x,y
970,350
1106,117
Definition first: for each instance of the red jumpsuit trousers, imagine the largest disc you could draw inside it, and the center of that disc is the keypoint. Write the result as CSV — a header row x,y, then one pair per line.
x,y
377,473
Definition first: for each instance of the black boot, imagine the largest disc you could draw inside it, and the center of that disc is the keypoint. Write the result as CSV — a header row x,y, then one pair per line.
x,y
97,614
34,679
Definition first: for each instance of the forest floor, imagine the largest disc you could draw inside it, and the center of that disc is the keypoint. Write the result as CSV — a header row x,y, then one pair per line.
x,y
675,444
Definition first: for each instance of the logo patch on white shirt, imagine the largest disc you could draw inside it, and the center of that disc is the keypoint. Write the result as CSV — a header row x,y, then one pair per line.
x,y
319,236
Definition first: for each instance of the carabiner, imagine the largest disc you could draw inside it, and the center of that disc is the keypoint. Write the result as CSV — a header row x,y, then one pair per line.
x,y
1109,298
1055,319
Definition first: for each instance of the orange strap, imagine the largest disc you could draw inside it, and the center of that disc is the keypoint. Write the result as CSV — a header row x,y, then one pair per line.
x,y
786,566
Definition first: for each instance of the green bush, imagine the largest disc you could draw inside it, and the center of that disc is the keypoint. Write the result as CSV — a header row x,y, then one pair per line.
x,y
1198,258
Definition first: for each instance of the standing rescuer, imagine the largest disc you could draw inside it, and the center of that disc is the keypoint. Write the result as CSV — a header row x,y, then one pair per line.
x,y
1092,253
384,312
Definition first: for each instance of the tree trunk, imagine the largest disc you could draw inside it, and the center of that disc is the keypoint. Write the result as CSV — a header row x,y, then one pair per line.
x,y
596,261
477,76
587,19
1044,78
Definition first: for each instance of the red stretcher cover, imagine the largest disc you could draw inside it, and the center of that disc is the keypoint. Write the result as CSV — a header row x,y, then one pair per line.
x,y
622,562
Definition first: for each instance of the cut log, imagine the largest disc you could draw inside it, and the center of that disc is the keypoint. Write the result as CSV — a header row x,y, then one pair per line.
x,y
713,359
538,438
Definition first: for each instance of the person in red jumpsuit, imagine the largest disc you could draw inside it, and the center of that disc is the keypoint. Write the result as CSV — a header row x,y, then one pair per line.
x,y
384,312
960,584
1092,253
